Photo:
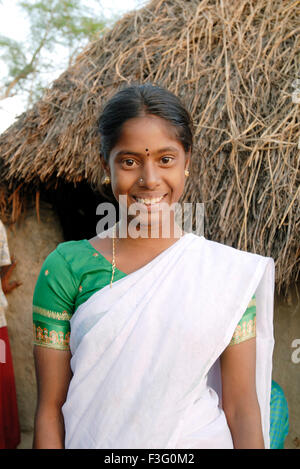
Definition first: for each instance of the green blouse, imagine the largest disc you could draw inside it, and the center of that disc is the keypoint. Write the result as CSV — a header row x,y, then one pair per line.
x,y
70,274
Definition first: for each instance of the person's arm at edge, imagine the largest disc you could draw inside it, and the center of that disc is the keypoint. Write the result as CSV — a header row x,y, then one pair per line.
x,y
239,397
53,375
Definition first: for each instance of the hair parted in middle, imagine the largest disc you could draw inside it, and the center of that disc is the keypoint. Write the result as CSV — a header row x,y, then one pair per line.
x,y
139,100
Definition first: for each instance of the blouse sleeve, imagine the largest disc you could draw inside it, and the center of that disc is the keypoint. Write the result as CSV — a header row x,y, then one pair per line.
x,y
53,302
246,328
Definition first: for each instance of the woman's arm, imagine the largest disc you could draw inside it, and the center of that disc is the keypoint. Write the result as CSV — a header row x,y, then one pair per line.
x,y
53,374
5,273
239,398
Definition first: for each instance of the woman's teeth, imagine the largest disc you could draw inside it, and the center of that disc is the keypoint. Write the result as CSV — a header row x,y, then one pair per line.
x,y
149,201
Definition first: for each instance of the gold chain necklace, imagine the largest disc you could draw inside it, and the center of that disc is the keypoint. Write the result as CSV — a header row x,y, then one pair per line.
x,y
113,259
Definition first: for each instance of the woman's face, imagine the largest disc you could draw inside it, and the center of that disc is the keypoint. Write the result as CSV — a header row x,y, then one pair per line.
x,y
147,149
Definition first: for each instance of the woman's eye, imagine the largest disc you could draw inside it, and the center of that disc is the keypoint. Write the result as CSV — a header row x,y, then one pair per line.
x,y
167,158
130,160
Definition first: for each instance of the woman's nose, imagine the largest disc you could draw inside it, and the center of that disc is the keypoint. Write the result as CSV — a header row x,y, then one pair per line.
x,y
150,175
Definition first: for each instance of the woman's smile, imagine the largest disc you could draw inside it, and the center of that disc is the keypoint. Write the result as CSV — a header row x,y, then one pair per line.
x,y
150,201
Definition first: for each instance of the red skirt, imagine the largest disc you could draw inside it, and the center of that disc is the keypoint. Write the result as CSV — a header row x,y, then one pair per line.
x,y
9,420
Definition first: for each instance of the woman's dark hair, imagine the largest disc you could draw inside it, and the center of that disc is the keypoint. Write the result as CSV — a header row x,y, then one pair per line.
x,y
140,100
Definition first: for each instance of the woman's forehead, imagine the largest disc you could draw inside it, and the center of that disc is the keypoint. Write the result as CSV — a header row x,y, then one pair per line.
x,y
148,131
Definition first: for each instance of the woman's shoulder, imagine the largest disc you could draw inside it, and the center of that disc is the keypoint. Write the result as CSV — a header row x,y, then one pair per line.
x,y
68,249
64,256
234,252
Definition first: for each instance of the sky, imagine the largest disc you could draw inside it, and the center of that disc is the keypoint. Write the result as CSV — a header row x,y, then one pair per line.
x,y
14,25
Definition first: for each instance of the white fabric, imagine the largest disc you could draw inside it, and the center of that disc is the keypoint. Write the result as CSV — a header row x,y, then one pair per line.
x,y
4,260
143,351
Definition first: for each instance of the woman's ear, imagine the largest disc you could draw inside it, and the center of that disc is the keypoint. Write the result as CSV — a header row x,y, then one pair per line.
x,y
104,165
187,159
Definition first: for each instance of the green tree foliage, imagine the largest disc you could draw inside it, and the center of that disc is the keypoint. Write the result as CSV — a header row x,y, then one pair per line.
x,y
57,28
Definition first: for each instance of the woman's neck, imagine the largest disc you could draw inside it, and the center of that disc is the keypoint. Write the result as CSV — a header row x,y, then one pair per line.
x,y
145,236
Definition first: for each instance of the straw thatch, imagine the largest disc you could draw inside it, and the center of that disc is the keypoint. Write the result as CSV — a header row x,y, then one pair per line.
x,y
233,63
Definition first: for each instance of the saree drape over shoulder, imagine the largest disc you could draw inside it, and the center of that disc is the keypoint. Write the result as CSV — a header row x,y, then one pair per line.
x,y
145,352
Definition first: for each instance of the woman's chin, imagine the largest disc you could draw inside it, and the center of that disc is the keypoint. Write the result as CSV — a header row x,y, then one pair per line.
x,y
153,225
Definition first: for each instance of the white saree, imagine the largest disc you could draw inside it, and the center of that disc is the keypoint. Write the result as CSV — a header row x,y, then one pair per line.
x,y
145,352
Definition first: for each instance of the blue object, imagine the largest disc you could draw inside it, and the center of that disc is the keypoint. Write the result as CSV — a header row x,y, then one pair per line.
x,y
279,417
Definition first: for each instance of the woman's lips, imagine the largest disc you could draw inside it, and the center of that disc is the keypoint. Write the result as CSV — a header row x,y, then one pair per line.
x,y
151,207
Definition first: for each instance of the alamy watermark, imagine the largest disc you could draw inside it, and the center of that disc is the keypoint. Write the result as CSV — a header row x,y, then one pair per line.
x,y
189,216
296,353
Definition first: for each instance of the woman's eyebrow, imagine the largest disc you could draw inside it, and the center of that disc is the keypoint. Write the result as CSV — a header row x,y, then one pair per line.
x,y
127,152
164,150
134,153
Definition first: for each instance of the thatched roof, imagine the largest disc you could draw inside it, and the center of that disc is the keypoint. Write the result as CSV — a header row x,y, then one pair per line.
x,y
233,63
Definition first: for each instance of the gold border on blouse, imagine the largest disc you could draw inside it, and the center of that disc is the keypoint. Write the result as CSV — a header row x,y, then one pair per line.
x,y
50,338
244,332
62,316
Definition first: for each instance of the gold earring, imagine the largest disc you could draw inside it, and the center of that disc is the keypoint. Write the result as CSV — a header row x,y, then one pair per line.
x,y
186,172
106,180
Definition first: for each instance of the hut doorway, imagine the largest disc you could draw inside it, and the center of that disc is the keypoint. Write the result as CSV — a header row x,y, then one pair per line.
x,y
76,207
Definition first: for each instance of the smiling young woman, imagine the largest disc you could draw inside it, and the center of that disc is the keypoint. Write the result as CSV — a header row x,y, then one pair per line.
x,y
154,179
151,183
161,327
146,146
